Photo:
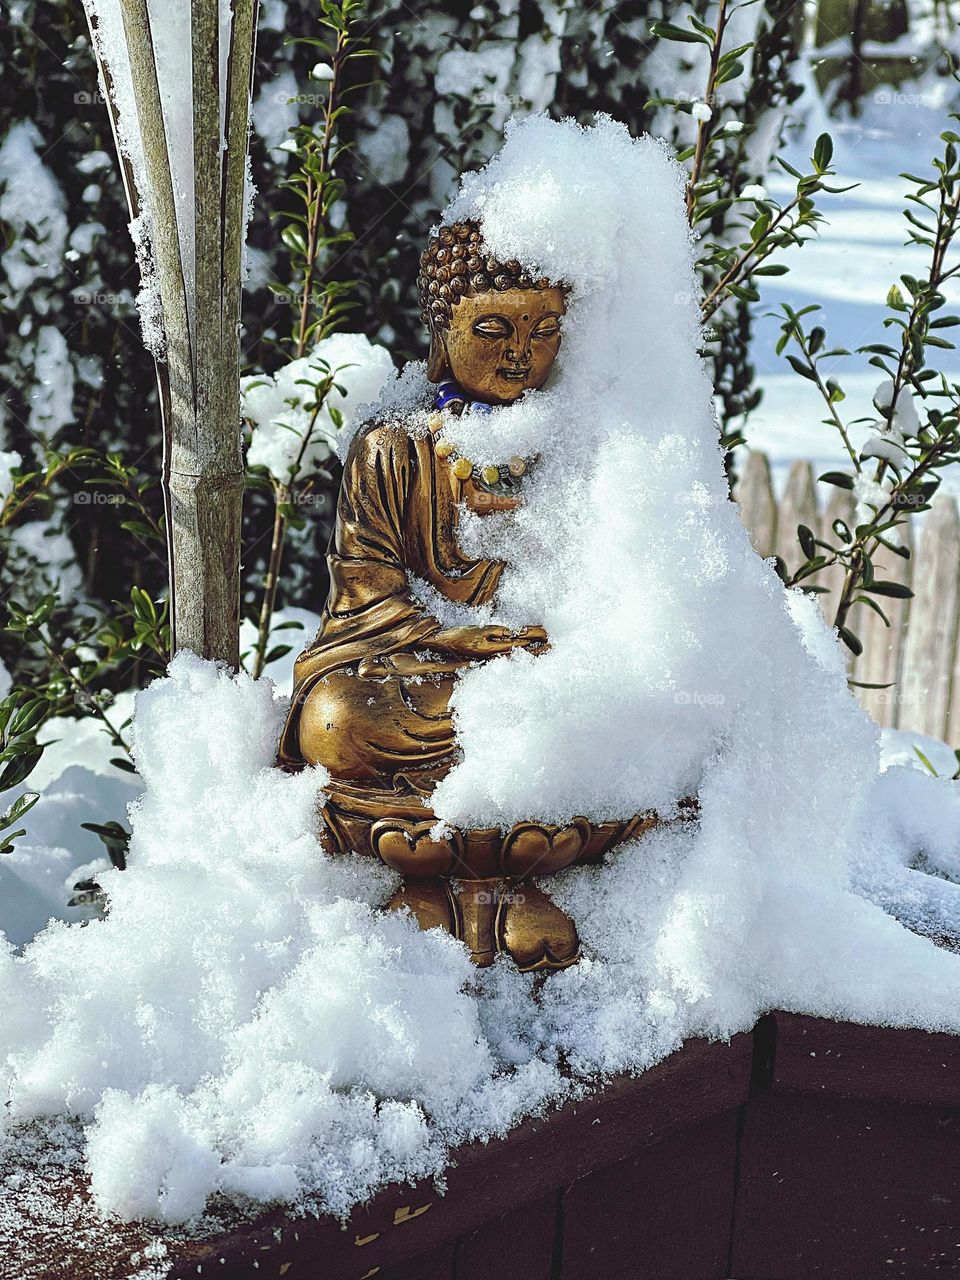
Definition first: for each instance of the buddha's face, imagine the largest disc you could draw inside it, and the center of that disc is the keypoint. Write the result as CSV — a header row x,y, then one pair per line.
x,y
501,344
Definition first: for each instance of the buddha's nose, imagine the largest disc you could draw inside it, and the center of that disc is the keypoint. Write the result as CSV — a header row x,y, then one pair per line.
x,y
519,355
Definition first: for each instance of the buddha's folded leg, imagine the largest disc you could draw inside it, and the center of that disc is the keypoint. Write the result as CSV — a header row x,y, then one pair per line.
x,y
369,730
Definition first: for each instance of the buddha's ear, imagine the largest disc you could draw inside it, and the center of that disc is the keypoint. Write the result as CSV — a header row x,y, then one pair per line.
x,y
437,362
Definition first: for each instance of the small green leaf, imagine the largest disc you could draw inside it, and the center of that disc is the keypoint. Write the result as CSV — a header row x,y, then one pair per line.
x,y
896,590
808,543
851,641
838,478
804,370
667,31
895,298
925,762
20,806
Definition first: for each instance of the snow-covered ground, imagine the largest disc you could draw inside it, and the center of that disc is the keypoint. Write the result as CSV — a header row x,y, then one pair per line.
x,y
77,784
860,252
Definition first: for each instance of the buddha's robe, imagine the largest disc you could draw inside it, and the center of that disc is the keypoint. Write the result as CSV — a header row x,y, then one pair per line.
x,y
396,519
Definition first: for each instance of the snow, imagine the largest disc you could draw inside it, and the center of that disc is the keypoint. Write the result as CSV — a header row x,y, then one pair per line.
x,y
106,25
899,746
539,59
51,396
722,690
171,36
33,210
384,146
289,437
170,30
77,784
241,994
870,496
275,110
43,550
290,626
244,1020
10,461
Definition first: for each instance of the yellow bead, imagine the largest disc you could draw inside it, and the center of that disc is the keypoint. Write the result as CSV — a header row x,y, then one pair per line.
x,y
517,466
491,474
435,421
463,468
443,448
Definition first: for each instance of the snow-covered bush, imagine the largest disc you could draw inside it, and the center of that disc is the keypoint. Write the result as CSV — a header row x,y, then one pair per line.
x,y
294,416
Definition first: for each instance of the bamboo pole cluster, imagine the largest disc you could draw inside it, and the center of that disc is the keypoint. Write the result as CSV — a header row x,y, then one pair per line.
x,y
197,264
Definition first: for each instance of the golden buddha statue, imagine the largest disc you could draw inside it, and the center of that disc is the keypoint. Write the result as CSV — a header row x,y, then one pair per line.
x,y
371,698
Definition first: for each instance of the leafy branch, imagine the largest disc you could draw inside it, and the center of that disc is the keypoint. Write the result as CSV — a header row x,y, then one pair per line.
x,y
898,470
287,493
745,228
311,235
19,753
36,487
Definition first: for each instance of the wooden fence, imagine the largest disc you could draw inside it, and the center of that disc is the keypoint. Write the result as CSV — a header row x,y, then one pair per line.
x,y
918,656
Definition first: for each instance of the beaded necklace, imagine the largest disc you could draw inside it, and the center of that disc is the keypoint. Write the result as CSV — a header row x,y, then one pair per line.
x,y
503,479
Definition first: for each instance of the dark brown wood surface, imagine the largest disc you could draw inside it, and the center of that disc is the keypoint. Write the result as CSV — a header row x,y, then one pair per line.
x,y
518,1246
844,1060
845,1189
486,1182
850,1156
663,1214
807,1149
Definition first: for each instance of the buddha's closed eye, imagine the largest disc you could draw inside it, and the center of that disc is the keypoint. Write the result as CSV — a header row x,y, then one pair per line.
x,y
493,327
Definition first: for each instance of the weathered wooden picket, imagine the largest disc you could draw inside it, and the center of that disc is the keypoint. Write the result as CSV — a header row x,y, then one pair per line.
x,y
918,656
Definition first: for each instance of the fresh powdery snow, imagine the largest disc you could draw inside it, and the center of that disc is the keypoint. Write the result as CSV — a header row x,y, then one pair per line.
x,y
291,437
244,1019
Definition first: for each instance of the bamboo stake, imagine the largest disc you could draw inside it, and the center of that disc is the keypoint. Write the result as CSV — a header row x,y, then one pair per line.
x,y
199,376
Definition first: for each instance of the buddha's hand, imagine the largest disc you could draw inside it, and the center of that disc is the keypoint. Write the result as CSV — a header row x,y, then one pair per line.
x,y
472,643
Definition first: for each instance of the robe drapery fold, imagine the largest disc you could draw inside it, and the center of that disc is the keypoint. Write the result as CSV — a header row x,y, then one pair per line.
x,y
396,519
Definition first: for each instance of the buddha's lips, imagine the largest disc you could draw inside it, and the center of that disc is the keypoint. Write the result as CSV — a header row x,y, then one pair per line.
x,y
515,374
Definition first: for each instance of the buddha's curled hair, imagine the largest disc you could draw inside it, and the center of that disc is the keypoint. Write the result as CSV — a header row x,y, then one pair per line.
x,y
455,263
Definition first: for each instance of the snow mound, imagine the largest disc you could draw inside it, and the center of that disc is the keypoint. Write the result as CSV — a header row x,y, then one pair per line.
x,y
245,1021
242,1018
